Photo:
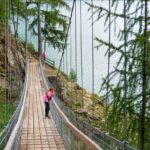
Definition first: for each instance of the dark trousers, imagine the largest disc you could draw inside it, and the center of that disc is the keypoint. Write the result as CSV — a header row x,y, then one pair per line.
x,y
46,109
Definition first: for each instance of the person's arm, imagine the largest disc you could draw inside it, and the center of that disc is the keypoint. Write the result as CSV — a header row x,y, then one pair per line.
x,y
53,93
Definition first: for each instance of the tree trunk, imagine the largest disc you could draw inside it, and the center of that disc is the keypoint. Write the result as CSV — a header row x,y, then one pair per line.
x,y
39,33
144,100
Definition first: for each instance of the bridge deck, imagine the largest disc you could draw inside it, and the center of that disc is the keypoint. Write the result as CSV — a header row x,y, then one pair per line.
x,y
38,133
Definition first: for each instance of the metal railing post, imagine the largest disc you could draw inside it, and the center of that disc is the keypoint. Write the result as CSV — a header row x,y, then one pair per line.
x,y
125,143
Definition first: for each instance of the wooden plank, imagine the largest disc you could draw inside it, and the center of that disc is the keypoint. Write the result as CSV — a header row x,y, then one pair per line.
x,y
38,132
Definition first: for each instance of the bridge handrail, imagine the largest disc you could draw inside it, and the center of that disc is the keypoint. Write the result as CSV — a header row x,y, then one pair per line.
x,y
13,128
97,135
87,141
50,62
102,138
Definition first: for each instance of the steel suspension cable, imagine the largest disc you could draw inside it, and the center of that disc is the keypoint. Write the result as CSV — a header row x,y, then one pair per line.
x,y
63,63
108,69
45,26
26,36
63,49
67,60
67,65
125,73
8,81
18,72
5,49
144,79
9,66
81,45
70,55
70,49
76,47
92,56
13,16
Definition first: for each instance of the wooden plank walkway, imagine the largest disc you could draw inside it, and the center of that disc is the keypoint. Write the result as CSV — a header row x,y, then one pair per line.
x,y
38,133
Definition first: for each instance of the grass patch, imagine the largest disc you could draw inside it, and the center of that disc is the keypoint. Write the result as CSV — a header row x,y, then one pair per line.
x,y
6,113
6,110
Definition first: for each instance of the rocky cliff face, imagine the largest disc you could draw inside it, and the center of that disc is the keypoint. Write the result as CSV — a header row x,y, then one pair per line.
x,y
12,65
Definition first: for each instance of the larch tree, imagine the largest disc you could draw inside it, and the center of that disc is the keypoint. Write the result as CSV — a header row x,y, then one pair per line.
x,y
128,116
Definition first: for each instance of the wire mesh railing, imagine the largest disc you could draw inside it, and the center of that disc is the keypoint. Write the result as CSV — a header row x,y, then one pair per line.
x,y
11,102
72,137
5,134
102,138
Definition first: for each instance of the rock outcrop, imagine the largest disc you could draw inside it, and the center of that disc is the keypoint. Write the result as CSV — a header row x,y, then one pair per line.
x,y
12,66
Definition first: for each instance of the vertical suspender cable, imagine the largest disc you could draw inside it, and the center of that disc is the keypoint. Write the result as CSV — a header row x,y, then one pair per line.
x,y
70,55
81,50
9,67
45,26
5,26
44,52
18,72
45,37
63,64
26,36
63,49
67,64
8,75
76,44
13,16
144,78
92,56
125,73
67,60
16,33
70,50
108,70
64,46
39,33
63,67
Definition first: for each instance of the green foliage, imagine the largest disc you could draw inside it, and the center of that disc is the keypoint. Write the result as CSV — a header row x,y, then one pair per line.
x,y
11,78
3,9
124,115
73,76
14,95
6,112
1,94
54,31
20,40
31,48
1,69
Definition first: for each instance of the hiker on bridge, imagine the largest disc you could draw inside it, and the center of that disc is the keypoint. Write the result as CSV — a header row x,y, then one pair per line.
x,y
47,98
44,55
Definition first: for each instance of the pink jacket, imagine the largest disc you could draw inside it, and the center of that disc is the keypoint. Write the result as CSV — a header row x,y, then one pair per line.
x,y
47,96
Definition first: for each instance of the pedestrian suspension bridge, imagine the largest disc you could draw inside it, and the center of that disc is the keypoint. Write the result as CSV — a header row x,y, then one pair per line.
x,y
28,129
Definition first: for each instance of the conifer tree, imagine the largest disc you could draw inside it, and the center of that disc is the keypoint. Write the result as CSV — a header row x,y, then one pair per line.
x,y
54,22
128,115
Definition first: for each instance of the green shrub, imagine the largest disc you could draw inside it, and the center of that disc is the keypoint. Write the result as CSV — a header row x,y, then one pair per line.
x,y
14,94
73,76
20,40
31,48
1,94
